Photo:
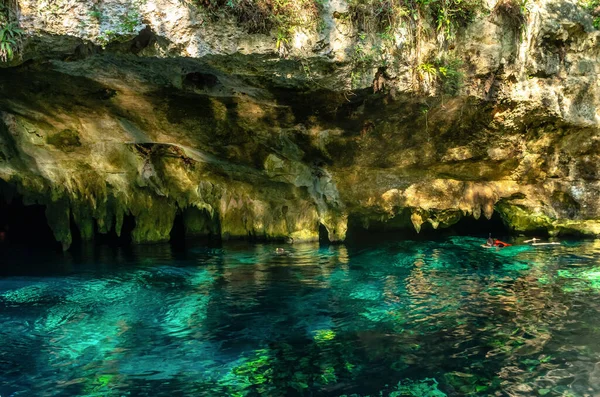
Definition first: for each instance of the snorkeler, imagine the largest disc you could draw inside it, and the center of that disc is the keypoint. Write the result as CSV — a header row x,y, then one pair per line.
x,y
492,242
281,251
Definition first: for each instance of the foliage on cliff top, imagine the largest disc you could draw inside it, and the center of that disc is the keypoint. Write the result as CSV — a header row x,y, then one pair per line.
x,y
381,15
376,15
515,11
453,14
261,16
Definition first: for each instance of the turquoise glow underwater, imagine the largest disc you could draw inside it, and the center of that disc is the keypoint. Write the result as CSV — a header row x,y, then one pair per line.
x,y
411,318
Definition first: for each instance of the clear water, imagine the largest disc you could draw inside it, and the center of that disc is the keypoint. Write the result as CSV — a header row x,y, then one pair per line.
x,y
392,319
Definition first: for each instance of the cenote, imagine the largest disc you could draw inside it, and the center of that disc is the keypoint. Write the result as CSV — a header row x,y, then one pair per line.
x,y
155,154
389,318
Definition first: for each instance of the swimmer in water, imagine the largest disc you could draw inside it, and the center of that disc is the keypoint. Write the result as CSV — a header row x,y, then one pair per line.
x,y
492,242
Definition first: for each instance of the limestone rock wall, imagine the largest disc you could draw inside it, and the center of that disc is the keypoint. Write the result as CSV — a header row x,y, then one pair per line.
x,y
153,108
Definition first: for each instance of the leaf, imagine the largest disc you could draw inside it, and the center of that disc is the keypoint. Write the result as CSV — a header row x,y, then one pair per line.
x,y
480,388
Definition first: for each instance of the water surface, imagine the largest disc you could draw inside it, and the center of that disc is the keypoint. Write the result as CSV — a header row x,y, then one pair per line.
x,y
427,318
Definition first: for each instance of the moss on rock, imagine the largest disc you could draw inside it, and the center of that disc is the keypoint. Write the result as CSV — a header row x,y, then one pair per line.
x,y
66,140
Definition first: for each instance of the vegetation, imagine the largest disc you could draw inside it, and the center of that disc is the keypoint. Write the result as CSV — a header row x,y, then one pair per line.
x,y
106,36
593,6
383,17
427,70
130,21
515,12
374,15
365,56
445,71
450,74
362,56
117,29
453,14
380,15
96,14
275,371
262,16
10,35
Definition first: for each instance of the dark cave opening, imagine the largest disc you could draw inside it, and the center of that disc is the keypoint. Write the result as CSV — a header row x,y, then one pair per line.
x,y
178,235
469,226
76,239
201,81
112,238
192,228
323,234
22,224
143,40
404,230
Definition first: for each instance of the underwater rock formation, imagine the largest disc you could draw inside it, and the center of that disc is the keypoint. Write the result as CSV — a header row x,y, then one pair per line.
x,y
160,108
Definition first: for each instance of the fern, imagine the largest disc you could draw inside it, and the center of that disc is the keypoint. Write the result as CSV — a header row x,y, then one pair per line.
x,y
9,39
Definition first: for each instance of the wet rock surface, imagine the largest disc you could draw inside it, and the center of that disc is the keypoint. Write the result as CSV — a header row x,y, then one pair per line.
x,y
174,113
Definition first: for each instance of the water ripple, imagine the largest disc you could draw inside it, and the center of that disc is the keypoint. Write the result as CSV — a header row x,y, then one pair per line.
x,y
438,317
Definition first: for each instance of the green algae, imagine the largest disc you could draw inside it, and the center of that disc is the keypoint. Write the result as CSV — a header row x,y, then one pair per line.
x,y
579,279
522,220
324,335
66,140
427,387
30,294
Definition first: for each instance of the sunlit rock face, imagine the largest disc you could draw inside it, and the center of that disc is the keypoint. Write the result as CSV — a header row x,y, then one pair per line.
x,y
154,109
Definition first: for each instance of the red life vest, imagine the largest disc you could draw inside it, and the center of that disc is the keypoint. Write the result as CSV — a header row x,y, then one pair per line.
x,y
501,244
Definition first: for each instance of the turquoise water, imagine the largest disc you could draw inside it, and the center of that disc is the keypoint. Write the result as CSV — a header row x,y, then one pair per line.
x,y
427,318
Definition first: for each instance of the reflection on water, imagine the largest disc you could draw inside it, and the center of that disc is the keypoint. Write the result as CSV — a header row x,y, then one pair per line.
x,y
403,318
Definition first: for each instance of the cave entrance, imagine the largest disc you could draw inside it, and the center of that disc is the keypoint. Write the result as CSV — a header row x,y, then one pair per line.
x,y
24,224
178,234
401,228
469,226
195,223
323,234
112,238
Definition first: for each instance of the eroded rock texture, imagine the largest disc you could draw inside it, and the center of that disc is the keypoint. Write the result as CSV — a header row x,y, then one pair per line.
x,y
243,136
